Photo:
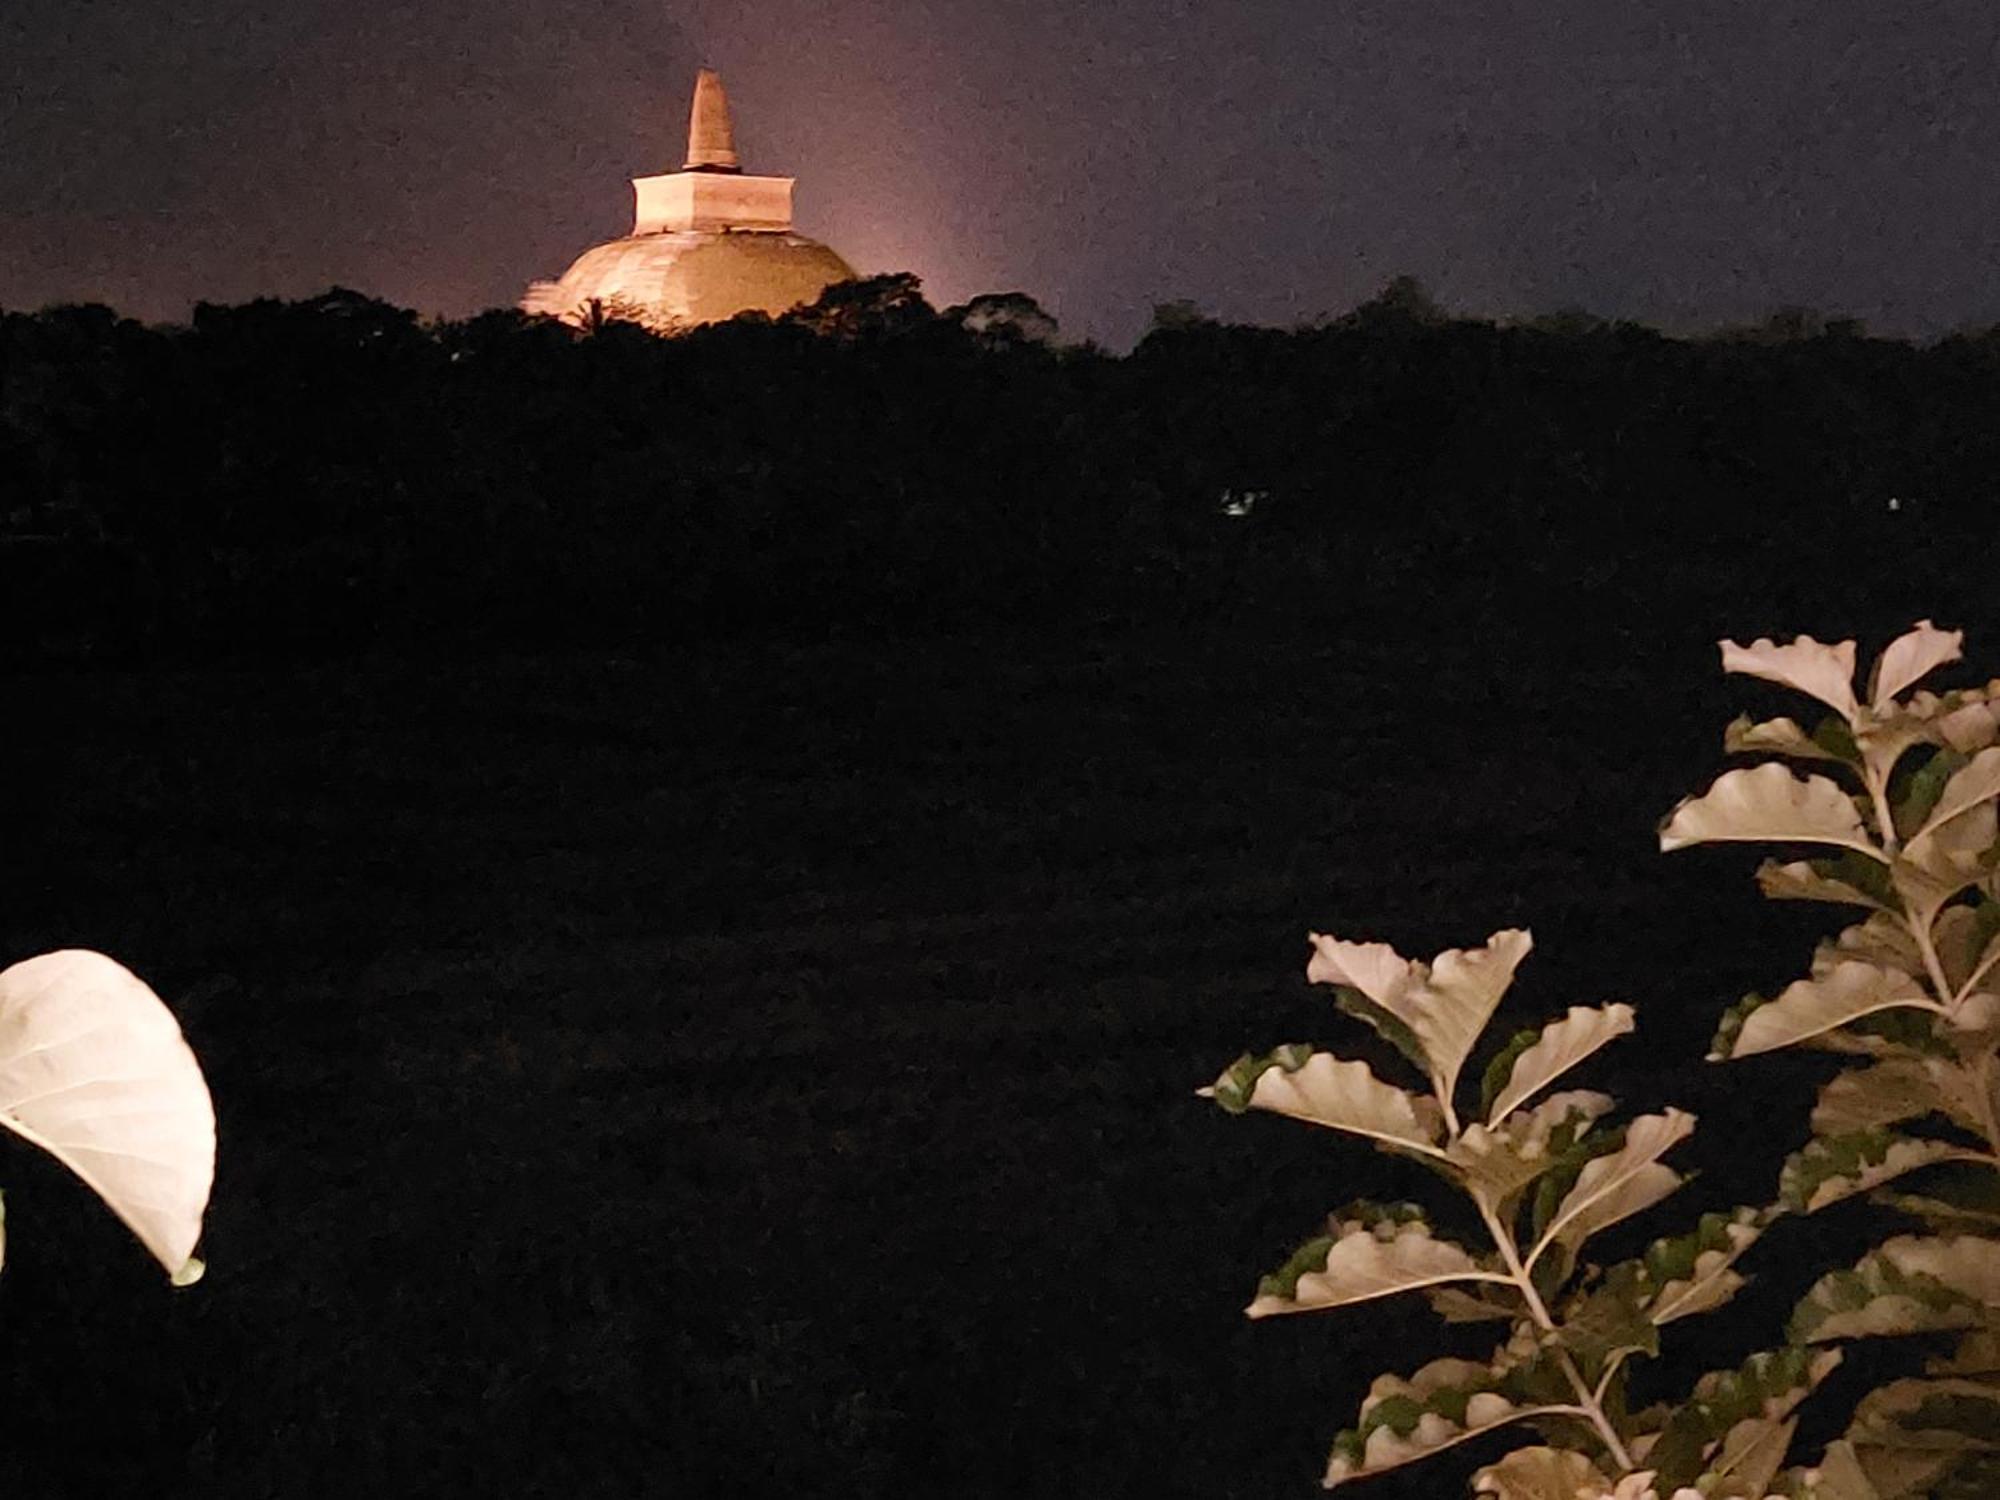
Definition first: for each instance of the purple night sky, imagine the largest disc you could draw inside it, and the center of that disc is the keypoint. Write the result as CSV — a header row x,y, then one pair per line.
x,y
1685,162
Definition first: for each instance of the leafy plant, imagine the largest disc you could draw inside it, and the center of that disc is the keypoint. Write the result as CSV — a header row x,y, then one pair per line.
x,y
1912,990
95,1071
1543,1171
1903,790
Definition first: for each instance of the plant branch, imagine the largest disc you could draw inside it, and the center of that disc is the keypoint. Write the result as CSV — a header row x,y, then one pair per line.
x,y
1592,1407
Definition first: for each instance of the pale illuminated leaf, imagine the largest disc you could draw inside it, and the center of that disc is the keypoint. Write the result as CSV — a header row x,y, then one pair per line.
x,y
1883,940
1766,1387
1826,672
1975,782
1365,1259
1447,1402
1893,1090
1694,1273
1923,649
1806,880
1445,1004
1831,1168
1767,804
1809,1007
1775,737
1323,1090
1562,1046
1614,1187
1540,1474
1752,1453
94,1070
1910,1284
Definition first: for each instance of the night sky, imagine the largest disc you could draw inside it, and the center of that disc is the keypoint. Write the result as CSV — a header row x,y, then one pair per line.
x,y
1684,162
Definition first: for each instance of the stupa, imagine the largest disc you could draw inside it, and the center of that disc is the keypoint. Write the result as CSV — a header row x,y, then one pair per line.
x,y
707,242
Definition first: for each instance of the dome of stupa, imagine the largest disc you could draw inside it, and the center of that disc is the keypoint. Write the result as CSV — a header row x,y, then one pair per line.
x,y
707,242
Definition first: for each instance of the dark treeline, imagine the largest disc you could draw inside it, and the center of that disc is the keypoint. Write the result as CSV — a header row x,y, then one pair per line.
x,y
336,475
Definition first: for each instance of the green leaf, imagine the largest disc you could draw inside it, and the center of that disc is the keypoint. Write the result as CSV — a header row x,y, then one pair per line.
x,y
1766,1387
1971,784
1767,804
1809,1007
1951,1413
1910,1284
1965,937
1456,1305
1611,1318
1496,1073
1320,1089
1615,1187
1372,1251
1831,1168
1560,1046
1955,1200
1351,1002
1925,787
1693,1273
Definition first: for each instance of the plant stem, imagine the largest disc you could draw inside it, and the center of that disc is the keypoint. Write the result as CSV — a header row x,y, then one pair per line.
x,y
1589,1402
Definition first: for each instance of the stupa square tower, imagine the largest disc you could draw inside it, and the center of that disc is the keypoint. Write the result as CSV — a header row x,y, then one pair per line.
x,y
707,242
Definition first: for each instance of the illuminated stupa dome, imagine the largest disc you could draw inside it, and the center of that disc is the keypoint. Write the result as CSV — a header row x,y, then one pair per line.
x,y
707,242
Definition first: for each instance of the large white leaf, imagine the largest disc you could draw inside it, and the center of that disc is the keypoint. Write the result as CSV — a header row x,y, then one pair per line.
x,y
1615,1187
94,1070
1562,1045
1907,658
1824,671
1366,1261
1767,804
1846,992
1324,1090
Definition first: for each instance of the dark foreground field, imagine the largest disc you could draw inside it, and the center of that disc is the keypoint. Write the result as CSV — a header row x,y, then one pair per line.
x,y
769,1071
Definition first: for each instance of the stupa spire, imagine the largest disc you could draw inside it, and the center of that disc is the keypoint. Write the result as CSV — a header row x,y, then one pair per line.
x,y
711,138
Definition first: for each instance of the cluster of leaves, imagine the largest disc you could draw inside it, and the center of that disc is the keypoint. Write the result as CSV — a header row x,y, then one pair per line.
x,y
1902,790
1544,1170
1910,990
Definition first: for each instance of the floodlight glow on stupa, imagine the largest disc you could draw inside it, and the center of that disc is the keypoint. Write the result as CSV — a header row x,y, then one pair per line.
x,y
707,242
